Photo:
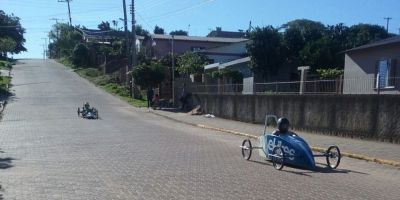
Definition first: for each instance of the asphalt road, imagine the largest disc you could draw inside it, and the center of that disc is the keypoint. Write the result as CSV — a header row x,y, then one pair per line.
x,y
50,153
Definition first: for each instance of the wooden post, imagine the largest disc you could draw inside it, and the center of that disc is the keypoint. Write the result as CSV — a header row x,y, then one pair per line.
x,y
303,78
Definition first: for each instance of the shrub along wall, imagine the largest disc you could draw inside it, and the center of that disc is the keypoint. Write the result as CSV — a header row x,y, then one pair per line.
x,y
361,116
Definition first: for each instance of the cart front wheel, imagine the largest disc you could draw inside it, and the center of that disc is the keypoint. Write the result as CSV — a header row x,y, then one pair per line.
x,y
79,111
278,158
333,157
246,149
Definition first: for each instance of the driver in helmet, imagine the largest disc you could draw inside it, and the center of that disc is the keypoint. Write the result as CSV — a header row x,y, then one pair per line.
x,y
86,107
283,127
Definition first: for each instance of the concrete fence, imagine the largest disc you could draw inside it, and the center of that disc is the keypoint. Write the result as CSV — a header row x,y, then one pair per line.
x,y
374,117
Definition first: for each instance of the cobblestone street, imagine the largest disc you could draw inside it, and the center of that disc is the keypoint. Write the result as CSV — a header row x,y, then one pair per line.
x,y
48,152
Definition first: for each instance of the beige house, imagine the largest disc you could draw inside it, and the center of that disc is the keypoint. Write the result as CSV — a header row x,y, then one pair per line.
x,y
373,68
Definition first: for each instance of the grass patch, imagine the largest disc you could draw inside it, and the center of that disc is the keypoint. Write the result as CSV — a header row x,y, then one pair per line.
x,y
123,93
5,82
89,72
66,62
106,82
5,65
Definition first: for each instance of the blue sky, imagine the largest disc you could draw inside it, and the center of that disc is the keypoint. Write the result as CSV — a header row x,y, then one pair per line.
x,y
201,15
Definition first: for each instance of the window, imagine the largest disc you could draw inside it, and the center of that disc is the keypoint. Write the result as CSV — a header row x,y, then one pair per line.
x,y
196,49
385,74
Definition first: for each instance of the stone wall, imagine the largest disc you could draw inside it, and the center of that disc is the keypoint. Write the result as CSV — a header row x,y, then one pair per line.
x,y
361,116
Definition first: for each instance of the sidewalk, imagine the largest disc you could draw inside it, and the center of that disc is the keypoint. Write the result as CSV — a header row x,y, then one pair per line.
x,y
373,149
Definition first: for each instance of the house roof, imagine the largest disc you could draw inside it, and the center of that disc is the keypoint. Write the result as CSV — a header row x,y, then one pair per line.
x,y
392,40
226,34
198,38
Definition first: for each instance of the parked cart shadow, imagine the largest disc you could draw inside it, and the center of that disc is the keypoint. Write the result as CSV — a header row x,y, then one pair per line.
x,y
6,163
319,168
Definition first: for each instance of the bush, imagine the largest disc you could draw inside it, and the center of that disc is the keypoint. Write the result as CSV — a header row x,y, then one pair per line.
x,y
329,73
80,55
67,62
149,75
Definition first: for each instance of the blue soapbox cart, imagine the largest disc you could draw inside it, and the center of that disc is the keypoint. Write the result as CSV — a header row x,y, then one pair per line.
x,y
287,149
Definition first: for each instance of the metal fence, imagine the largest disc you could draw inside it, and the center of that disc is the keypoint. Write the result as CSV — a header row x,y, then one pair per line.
x,y
363,85
294,87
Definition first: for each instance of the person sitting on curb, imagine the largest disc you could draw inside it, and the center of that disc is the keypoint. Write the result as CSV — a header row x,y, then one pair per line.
x,y
283,128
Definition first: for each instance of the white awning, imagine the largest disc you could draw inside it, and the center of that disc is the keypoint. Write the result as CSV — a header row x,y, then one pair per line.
x,y
234,62
211,66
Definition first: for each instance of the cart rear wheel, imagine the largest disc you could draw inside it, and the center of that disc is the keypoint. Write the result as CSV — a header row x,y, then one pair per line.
x,y
79,111
278,158
333,157
246,149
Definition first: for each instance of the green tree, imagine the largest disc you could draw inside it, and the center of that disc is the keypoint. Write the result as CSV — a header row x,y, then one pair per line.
x,y
65,39
179,32
7,44
191,63
158,30
149,75
266,50
293,41
309,30
10,27
140,31
317,54
104,26
302,39
365,33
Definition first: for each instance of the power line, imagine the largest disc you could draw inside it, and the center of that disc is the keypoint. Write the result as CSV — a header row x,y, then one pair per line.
x,y
56,19
179,11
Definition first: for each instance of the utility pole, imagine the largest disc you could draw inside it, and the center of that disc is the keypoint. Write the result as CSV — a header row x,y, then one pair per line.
x,y
133,47
173,71
127,44
44,51
69,10
44,47
387,23
48,44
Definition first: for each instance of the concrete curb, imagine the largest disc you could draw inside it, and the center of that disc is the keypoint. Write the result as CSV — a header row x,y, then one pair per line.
x,y
317,149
